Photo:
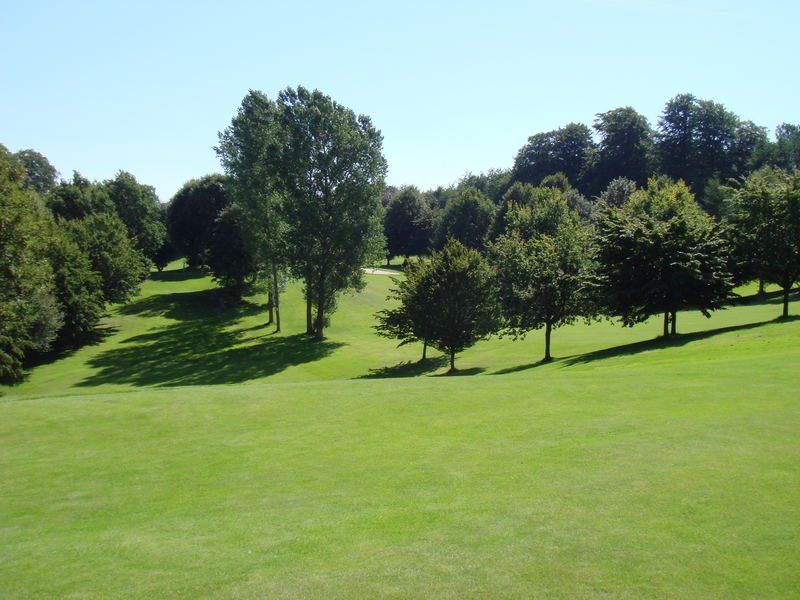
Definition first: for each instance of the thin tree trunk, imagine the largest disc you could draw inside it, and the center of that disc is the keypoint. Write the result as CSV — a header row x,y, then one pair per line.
x,y
277,300
786,301
319,332
452,361
548,328
309,319
388,261
674,325
760,287
666,323
424,350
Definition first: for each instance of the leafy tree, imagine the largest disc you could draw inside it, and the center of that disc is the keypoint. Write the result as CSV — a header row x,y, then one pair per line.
x,y
764,214
253,152
564,150
78,289
494,183
191,215
467,218
404,224
332,170
25,275
519,194
78,198
409,320
40,175
544,278
618,191
625,148
104,239
787,146
449,302
660,253
232,264
167,252
139,209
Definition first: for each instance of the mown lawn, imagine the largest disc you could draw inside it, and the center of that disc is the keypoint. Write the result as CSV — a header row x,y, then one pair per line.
x,y
629,468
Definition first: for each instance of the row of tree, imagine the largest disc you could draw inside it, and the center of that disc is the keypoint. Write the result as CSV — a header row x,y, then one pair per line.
x,y
68,249
654,252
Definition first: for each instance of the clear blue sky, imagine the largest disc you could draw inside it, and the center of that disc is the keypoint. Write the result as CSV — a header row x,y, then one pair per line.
x,y
454,86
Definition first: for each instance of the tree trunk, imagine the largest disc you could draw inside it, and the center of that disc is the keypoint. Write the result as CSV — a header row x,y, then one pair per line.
x,y
319,330
269,308
277,300
424,350
786,289
548,328
452,361
666,323
388,261
760,287
674,325
309,320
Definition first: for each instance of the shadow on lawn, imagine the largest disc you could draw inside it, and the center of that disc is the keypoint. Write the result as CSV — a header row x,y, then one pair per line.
x,y
407,369
202,347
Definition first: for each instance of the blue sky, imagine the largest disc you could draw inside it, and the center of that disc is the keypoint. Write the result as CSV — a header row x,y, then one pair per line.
x,y
454,86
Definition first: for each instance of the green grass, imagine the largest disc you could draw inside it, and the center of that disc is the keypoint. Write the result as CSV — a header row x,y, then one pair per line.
x,y
631,467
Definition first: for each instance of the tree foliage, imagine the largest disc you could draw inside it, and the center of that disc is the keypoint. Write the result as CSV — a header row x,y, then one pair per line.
x,y
78,198
406,224
467,218
660,253
40,175
764,214
625,148
563,150
138,207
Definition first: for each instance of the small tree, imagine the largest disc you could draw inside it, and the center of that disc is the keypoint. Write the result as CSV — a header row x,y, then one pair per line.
x,y
764,213
449,302
404,224
467,218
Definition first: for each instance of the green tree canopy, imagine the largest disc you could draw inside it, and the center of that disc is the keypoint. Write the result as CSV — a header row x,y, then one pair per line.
x,y
467,218
565,150
405,224
660,253
138,207
764,214
78,198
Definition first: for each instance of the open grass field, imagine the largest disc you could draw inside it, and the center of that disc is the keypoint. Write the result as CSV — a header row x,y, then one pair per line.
x,y
193,454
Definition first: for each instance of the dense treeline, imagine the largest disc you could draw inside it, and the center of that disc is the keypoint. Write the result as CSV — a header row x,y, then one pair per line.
x,y
68,248
620,220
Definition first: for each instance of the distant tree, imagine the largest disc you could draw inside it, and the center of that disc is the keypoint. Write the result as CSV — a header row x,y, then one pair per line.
x,y
121,267
332,170
78,198
78,289
544,278
764,214
404,224
625,148
232,264
519,194
192,213
167,252
451,302
40,175
659,253
138,207
618,191
786,153
467,218
564,150
25,274
494,183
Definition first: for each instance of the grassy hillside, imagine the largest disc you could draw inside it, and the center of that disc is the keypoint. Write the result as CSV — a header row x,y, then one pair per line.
x,y
629,468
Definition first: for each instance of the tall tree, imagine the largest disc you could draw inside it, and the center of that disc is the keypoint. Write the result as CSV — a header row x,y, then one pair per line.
x,y
660,253
625,148
25,274
333,171
764,213
252,152
228,256
138,207
78,198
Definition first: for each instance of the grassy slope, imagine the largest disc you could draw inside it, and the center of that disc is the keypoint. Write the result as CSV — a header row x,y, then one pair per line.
x,y
627,470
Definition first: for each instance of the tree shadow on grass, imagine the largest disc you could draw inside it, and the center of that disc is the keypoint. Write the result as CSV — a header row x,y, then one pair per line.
x,y
177,275
202,347
407,369
659,343
462,372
